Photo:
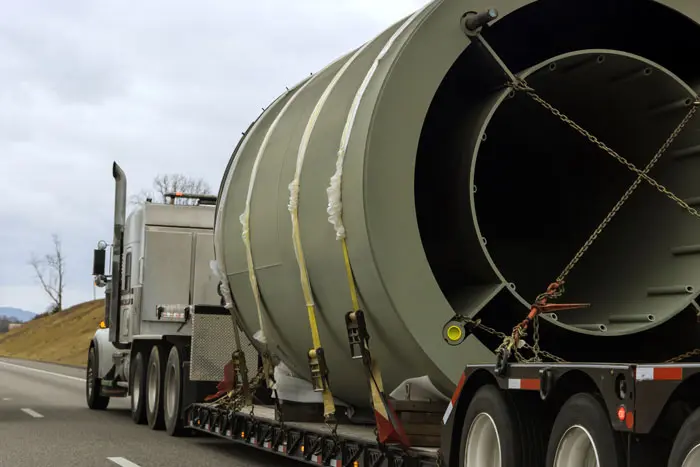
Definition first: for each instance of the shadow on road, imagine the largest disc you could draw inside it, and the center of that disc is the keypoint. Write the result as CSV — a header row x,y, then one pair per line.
x,y
220,446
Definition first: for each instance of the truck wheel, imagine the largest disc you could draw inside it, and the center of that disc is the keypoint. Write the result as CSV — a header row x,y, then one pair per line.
x,y
686,448
172,390
138,389
492,435
154,389
583,437
95,400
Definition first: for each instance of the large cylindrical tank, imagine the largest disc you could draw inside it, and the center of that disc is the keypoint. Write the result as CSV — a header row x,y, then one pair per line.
x,y
460,196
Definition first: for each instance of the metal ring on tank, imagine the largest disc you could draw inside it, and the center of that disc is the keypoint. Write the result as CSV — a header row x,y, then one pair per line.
x,y
507,94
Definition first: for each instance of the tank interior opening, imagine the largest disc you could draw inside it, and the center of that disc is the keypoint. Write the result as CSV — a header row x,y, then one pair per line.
x,y
555,186
542,188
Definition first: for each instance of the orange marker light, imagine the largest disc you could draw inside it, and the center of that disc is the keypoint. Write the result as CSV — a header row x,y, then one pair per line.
x,y
621,413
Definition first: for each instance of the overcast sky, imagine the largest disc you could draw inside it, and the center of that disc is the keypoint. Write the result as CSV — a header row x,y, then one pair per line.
x,y
159,86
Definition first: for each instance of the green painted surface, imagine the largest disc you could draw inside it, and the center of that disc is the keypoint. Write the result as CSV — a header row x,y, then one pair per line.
x,y
414,223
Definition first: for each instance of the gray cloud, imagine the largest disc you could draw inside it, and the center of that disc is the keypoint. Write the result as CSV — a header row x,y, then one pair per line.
x,y
160,86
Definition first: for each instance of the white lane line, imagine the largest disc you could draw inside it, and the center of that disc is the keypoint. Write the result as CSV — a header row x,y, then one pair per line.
x,y
7,398
123,462
75,378
32,413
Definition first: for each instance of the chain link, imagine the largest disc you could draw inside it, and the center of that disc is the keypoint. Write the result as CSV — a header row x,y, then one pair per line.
x,y
509,342
521,85
684,356
235,401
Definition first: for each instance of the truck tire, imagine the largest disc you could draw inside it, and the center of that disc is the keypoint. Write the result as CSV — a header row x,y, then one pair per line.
x,y
582,436
95,400
494,436
154,389
138,389
172,392
686,448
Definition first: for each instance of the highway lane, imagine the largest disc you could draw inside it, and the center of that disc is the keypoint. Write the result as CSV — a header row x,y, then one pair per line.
x,y
44,422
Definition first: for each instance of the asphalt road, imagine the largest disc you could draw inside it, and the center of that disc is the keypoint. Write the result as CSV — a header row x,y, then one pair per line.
x,y
44,421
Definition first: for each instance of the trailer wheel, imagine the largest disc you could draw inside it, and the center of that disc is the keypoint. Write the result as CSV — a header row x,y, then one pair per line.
x,y
154,389
138,389
686,448
583,437
172,391
95,400
491,434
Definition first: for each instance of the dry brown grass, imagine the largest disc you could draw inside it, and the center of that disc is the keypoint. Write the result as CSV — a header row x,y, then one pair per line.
x,y
59,338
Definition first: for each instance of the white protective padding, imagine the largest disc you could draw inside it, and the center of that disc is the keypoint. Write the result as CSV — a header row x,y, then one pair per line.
x,y
223,283
418,389
291,388
334,190
245,216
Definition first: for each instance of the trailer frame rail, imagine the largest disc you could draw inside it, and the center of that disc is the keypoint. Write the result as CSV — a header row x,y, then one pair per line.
x,y
312,446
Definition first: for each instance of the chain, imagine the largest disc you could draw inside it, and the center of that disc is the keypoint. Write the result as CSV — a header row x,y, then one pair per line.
x,y
536,336
521,85
508,340
683,356
334,434
235,401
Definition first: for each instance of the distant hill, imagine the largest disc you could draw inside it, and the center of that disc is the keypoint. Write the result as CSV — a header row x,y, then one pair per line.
x,y
62,337
20,315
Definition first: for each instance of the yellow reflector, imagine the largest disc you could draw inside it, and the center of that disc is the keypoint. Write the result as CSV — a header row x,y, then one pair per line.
x,y
454,333
102,325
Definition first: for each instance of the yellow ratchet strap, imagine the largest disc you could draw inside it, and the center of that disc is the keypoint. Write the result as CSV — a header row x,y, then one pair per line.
x,y
376,383
319,373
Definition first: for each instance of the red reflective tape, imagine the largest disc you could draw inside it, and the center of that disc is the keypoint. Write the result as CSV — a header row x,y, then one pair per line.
x,y
668,373
530,384
460,386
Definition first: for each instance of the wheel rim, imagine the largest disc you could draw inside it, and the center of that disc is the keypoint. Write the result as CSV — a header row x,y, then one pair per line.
x,y
152,387
89,379
576,449
483,447
170,390
693,457
136,388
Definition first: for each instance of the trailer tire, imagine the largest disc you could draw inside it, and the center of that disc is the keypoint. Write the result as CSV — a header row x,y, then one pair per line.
x,y
491,417
172,394
95,400
138,389
582,419
154,389
686,447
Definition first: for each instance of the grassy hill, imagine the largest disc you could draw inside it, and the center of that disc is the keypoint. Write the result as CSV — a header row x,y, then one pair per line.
x,y
59,338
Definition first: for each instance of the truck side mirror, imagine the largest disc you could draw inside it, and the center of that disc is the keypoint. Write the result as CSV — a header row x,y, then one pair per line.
x,y
98,262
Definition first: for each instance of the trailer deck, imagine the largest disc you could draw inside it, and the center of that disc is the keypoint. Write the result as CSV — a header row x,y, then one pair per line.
x,y
312,443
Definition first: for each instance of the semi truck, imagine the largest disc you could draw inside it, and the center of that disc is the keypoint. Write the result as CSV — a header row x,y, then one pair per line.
x,y
471,241
145,345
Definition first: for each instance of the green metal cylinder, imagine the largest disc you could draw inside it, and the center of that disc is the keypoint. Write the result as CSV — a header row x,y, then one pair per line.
x,y
430,180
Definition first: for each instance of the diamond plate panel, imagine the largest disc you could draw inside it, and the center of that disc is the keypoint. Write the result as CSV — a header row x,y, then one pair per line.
x,y
212,346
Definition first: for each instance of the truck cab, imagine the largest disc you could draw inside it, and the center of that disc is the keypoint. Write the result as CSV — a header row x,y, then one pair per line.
x,y
160,283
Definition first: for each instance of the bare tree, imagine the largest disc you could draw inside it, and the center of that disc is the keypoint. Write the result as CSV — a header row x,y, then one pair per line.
x,y
172,183
51,270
